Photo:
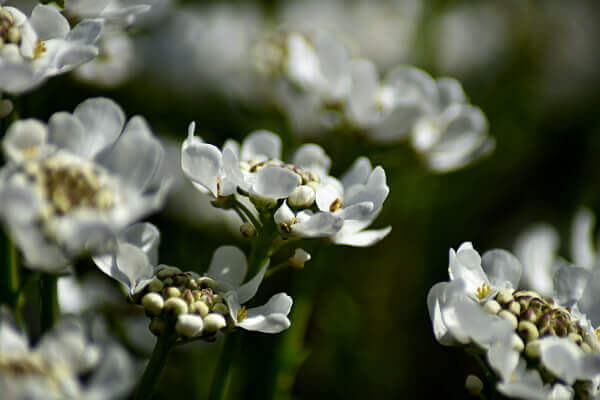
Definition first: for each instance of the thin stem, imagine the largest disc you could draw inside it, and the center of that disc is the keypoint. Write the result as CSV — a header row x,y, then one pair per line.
x,y
242,207
240,214
9,276
276,268
156,364
220,381
49,308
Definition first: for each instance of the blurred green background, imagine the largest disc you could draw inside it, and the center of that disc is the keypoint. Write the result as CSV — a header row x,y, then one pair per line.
x,y
369,332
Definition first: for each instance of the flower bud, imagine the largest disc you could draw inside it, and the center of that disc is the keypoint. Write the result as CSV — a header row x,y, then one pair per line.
x,y
176,306
189,325
532,350
510,317
221,309
302,197
474,385
213,322
492,307
528,331
284,215
153,303
206,282
514,307
299,258
167,271
156,285
173,292
247,230
504,296
201,308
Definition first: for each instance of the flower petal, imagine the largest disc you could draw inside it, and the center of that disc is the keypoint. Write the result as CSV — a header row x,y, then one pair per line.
x,y
318,225
25,138
201,162
228,265
260,146
502,268
249,289
582,239
271,317
569,284
313,158
48,22
363,238
144,236
275,182
358,173
103,121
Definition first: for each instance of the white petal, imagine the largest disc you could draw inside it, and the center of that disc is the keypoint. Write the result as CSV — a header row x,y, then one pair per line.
x,y
12,342
375,190
570,283
582,239
503,358
48,22
86,32
319,225
414,86
358,173
271,317
115,376
502,268
229,265
537,248
260,146
136,155
365,85
313,158
67,132
103,121
562,357
201,162
450,92
284,215
275,182
363,238
466,264
231,167
146,237
249,289
24,139
358,211
329,191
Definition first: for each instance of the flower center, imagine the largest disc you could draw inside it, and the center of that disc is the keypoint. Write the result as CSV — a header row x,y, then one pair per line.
x,y
33,366
9,33
534,316
483,290
69,184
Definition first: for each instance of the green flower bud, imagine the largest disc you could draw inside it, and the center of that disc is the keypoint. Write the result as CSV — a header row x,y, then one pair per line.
x,y
221,309
153,303
206,282
156,285
167,271
586,347
214,322
532,350
247,230
504,296
510,317
528,331
201,308
176,306
514,307
474,385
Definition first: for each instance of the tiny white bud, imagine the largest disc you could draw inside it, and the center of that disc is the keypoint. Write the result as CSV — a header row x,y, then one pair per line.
x,y
504,296
189,325
528,330
474,385
247,230
302,197
176,305
492,307
299,258
153,303
173,292
213,322
284,215
510,317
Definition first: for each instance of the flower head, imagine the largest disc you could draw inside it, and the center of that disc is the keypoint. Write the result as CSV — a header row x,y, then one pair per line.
x,y
43,45
65,364
201,305
72,184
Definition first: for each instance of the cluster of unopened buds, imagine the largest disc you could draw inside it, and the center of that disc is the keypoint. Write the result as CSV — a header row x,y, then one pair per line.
x,y
189,300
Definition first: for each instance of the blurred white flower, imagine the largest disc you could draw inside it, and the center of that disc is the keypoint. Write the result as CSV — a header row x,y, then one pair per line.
x,y
65,364
480,306
43,45
69,186
115,64
116,13
203,305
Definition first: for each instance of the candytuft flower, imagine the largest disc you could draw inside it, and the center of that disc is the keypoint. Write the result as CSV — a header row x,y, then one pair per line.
x,y
43,45
201,305
71,185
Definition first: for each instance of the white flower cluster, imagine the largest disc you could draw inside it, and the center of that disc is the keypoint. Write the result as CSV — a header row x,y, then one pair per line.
x,y
201,306
540,346
54,368
300,197
320,86
42,45
70,185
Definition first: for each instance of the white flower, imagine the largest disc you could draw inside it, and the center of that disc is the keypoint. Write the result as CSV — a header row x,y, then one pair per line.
x,y
71,185
113,12
43,45
65,364
480,306
115,65
219,294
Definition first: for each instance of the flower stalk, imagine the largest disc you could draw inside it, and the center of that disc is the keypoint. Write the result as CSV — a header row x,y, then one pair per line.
x,y
218,388
9,275
156,364
49,307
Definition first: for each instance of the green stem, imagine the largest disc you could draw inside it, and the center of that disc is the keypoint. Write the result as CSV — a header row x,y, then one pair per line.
x,y
49,308
155,366
220,381
276,268
9,276
240,207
